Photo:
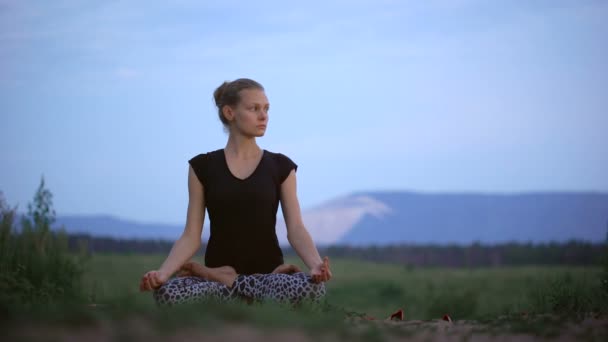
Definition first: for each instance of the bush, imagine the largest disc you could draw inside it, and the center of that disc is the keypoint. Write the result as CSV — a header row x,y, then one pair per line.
x,y
604,279
569,296
35,266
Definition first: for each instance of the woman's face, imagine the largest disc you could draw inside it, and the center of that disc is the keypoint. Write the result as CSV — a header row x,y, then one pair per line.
x,y
251,114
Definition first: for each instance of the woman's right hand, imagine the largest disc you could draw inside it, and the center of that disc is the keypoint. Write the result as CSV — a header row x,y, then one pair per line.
x,y
152,280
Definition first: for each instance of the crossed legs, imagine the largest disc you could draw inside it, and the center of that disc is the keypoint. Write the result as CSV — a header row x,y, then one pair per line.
x,y
227,274
286,283
224,274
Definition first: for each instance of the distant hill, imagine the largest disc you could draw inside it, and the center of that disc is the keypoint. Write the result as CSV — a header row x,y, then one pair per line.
x,y
383,218
110,226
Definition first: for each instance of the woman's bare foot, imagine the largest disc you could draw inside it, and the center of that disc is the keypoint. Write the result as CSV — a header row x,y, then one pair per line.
x,y
287,269
224,274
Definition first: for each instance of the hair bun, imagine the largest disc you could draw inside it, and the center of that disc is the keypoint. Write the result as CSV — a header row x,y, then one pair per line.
x,y
219,93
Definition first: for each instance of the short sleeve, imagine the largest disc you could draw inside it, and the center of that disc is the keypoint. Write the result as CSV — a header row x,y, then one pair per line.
x,y
285,166
199,166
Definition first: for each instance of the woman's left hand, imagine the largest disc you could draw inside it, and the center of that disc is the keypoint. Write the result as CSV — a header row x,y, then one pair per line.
x,y
321,272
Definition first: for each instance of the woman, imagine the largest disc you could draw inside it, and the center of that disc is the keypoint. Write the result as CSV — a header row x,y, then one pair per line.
x,y
241,186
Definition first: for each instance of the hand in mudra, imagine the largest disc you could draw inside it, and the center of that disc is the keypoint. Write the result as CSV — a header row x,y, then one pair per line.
x,y
321,272
152,280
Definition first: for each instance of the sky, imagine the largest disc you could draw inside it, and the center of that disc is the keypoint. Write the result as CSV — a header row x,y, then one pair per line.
x,y
109,99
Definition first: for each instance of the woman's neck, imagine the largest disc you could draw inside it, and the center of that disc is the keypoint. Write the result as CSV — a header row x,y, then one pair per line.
x,y
242,147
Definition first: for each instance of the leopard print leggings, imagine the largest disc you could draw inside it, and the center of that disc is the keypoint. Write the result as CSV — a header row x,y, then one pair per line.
x,y
293,288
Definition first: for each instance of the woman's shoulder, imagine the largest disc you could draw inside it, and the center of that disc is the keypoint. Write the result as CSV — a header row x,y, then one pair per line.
x,y
205,155
283,163
201,159
277,155
202,162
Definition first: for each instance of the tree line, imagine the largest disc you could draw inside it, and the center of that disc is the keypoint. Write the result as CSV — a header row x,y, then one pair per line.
x,y
473,255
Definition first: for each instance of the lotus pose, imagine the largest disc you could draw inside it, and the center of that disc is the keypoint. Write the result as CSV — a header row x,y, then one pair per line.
x,y
241,186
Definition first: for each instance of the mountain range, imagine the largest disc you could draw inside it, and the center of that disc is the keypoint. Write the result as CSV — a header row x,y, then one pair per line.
x,y
383,218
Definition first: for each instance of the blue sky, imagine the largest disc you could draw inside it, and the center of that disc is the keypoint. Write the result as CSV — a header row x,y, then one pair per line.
x,y
110,99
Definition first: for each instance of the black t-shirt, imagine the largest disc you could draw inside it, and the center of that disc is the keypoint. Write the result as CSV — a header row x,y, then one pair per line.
x,y
243,212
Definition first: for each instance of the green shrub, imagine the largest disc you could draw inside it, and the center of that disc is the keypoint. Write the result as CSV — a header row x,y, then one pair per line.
x,y
604,277
35,266
566,295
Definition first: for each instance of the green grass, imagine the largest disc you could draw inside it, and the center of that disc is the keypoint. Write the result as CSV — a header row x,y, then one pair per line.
x,y
378,290
495,297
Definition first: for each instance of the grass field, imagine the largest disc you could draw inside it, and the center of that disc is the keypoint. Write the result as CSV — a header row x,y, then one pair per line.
x,y
538,301
516,301
378,289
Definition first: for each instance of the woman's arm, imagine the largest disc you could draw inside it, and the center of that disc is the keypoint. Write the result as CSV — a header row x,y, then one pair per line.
x,y
297,234
189,242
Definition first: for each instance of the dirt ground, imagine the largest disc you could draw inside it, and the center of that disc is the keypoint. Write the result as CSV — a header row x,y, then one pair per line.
x,y
589,329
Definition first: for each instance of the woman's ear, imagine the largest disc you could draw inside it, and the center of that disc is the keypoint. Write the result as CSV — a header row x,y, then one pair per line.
x,y
228,112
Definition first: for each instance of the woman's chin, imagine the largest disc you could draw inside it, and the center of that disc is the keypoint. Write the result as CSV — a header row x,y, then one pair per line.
x,y
256,134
